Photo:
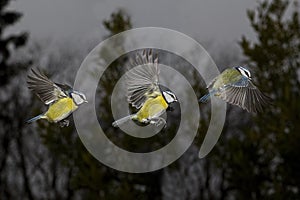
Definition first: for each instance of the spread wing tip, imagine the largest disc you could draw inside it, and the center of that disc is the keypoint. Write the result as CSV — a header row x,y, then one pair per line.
x,y
142,78
43,87
250,99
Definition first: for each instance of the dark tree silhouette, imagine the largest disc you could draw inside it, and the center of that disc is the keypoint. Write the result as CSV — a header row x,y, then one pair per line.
x,y
8,18
119,21
260,154
11,127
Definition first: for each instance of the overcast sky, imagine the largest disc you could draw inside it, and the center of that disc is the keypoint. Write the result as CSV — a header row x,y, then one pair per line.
x,y
219,20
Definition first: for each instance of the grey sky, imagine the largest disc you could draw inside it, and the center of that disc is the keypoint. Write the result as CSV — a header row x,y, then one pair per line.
x,y
220,20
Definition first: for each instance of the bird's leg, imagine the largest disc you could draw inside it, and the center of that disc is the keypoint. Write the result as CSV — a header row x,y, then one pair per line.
x,y
158,121
64,123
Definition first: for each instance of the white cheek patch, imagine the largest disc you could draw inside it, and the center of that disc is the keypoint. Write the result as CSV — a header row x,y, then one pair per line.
x,y
77,99
245,72
168,97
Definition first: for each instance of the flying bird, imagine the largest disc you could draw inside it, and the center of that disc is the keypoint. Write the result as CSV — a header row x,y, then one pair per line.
x,y
234,85
144,92
61,99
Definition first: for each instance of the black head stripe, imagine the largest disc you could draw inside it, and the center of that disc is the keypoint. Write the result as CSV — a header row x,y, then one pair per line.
x,y
247,74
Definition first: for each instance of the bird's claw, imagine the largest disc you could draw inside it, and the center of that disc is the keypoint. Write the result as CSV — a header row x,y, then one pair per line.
x,y
64,123
158,121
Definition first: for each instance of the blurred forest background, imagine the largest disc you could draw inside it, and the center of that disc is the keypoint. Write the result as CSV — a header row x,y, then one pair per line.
x,y
256,157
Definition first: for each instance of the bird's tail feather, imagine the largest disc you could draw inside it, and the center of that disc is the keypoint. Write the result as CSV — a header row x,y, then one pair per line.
x,y
204,98
35,118
121,121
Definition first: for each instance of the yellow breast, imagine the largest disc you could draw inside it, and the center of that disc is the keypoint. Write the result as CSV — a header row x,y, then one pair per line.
x,y
152,107
61,109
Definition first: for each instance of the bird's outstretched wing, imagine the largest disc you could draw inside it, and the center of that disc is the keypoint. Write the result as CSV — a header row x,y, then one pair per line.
x,y
245,95
142,80
45,89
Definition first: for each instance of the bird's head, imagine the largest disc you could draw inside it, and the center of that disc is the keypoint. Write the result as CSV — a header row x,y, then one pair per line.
x,y
170,97
244,72
78,97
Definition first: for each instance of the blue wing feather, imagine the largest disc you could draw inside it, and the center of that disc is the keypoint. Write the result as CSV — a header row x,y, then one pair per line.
x,y
243,82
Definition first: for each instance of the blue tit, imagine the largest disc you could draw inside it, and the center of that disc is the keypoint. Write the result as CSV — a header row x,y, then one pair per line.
x,y
144,93
234,86
61,99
